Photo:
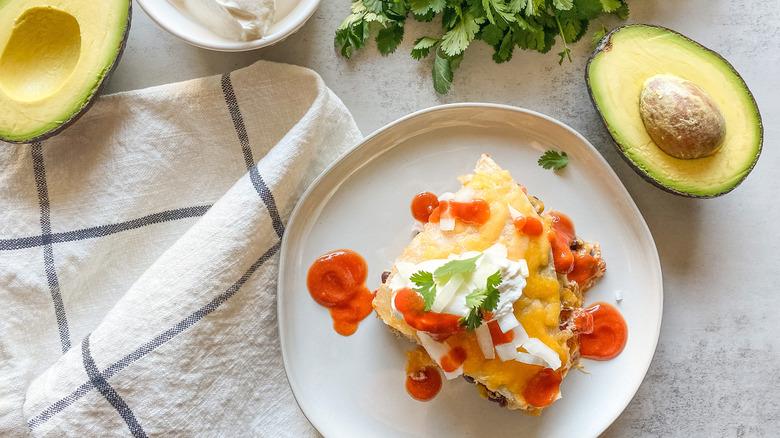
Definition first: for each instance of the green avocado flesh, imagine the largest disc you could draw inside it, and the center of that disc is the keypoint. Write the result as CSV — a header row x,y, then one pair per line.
x,y
54,57
616,75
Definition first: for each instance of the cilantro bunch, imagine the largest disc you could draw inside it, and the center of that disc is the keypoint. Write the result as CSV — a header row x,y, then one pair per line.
x,y
503,24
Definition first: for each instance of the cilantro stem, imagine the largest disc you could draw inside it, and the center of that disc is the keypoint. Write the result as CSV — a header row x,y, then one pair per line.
x,y
566,51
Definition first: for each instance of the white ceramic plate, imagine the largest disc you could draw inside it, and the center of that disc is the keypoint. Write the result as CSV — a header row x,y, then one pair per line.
x,y
354,386
290,16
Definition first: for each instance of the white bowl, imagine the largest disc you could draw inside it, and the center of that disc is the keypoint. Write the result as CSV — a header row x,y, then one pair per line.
x,y
290,16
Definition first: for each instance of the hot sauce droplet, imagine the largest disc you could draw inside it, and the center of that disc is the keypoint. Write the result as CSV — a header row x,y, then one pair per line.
x,y
532,226
423,204
609,334
424,385
543,388
336,281
423,380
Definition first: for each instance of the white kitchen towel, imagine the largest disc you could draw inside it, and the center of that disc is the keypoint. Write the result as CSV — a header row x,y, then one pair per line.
x,y
139,256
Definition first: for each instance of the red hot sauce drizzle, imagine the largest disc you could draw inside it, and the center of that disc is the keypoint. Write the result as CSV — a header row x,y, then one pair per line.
x,y
336,281
578,266
585,267
609,335
439,326
453,359
498,336
561,236
603,331
475,211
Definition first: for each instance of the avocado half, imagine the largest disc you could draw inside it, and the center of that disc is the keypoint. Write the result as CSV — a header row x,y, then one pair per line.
x,y
55,58
616,74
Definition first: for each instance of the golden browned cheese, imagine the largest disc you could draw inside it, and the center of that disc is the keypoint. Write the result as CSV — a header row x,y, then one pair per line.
x,y
539,308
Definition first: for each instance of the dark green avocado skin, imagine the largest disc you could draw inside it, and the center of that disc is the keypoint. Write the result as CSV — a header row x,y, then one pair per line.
x,y
605,44
98,90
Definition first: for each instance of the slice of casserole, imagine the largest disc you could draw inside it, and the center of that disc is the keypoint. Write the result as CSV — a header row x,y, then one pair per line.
x,y
491,288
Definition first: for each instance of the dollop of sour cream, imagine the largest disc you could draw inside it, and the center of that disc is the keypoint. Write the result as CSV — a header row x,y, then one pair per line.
x,y
237,20
451,299
451,293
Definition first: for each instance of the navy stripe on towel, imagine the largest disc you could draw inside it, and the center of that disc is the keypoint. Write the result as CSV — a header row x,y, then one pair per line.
x,y
48,251
103,230
150,346
268,200
108,392
238,120
243,138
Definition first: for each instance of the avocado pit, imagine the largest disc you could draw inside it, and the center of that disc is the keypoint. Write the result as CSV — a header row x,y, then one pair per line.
x,y
681,118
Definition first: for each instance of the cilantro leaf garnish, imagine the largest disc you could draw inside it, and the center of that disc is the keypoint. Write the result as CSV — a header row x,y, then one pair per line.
x,y
481,301
425,286
422,46
611,5
373,5
491,300
388,39
554,160
419,7
457,267
502,24
475,299
491,34
471,321
455,40
442,73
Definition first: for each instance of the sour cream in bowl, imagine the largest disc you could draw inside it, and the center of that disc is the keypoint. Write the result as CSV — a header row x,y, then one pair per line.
x,y
230,25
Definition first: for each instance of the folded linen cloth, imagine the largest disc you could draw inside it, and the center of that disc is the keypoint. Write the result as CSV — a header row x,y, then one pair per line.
x,y
139,255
